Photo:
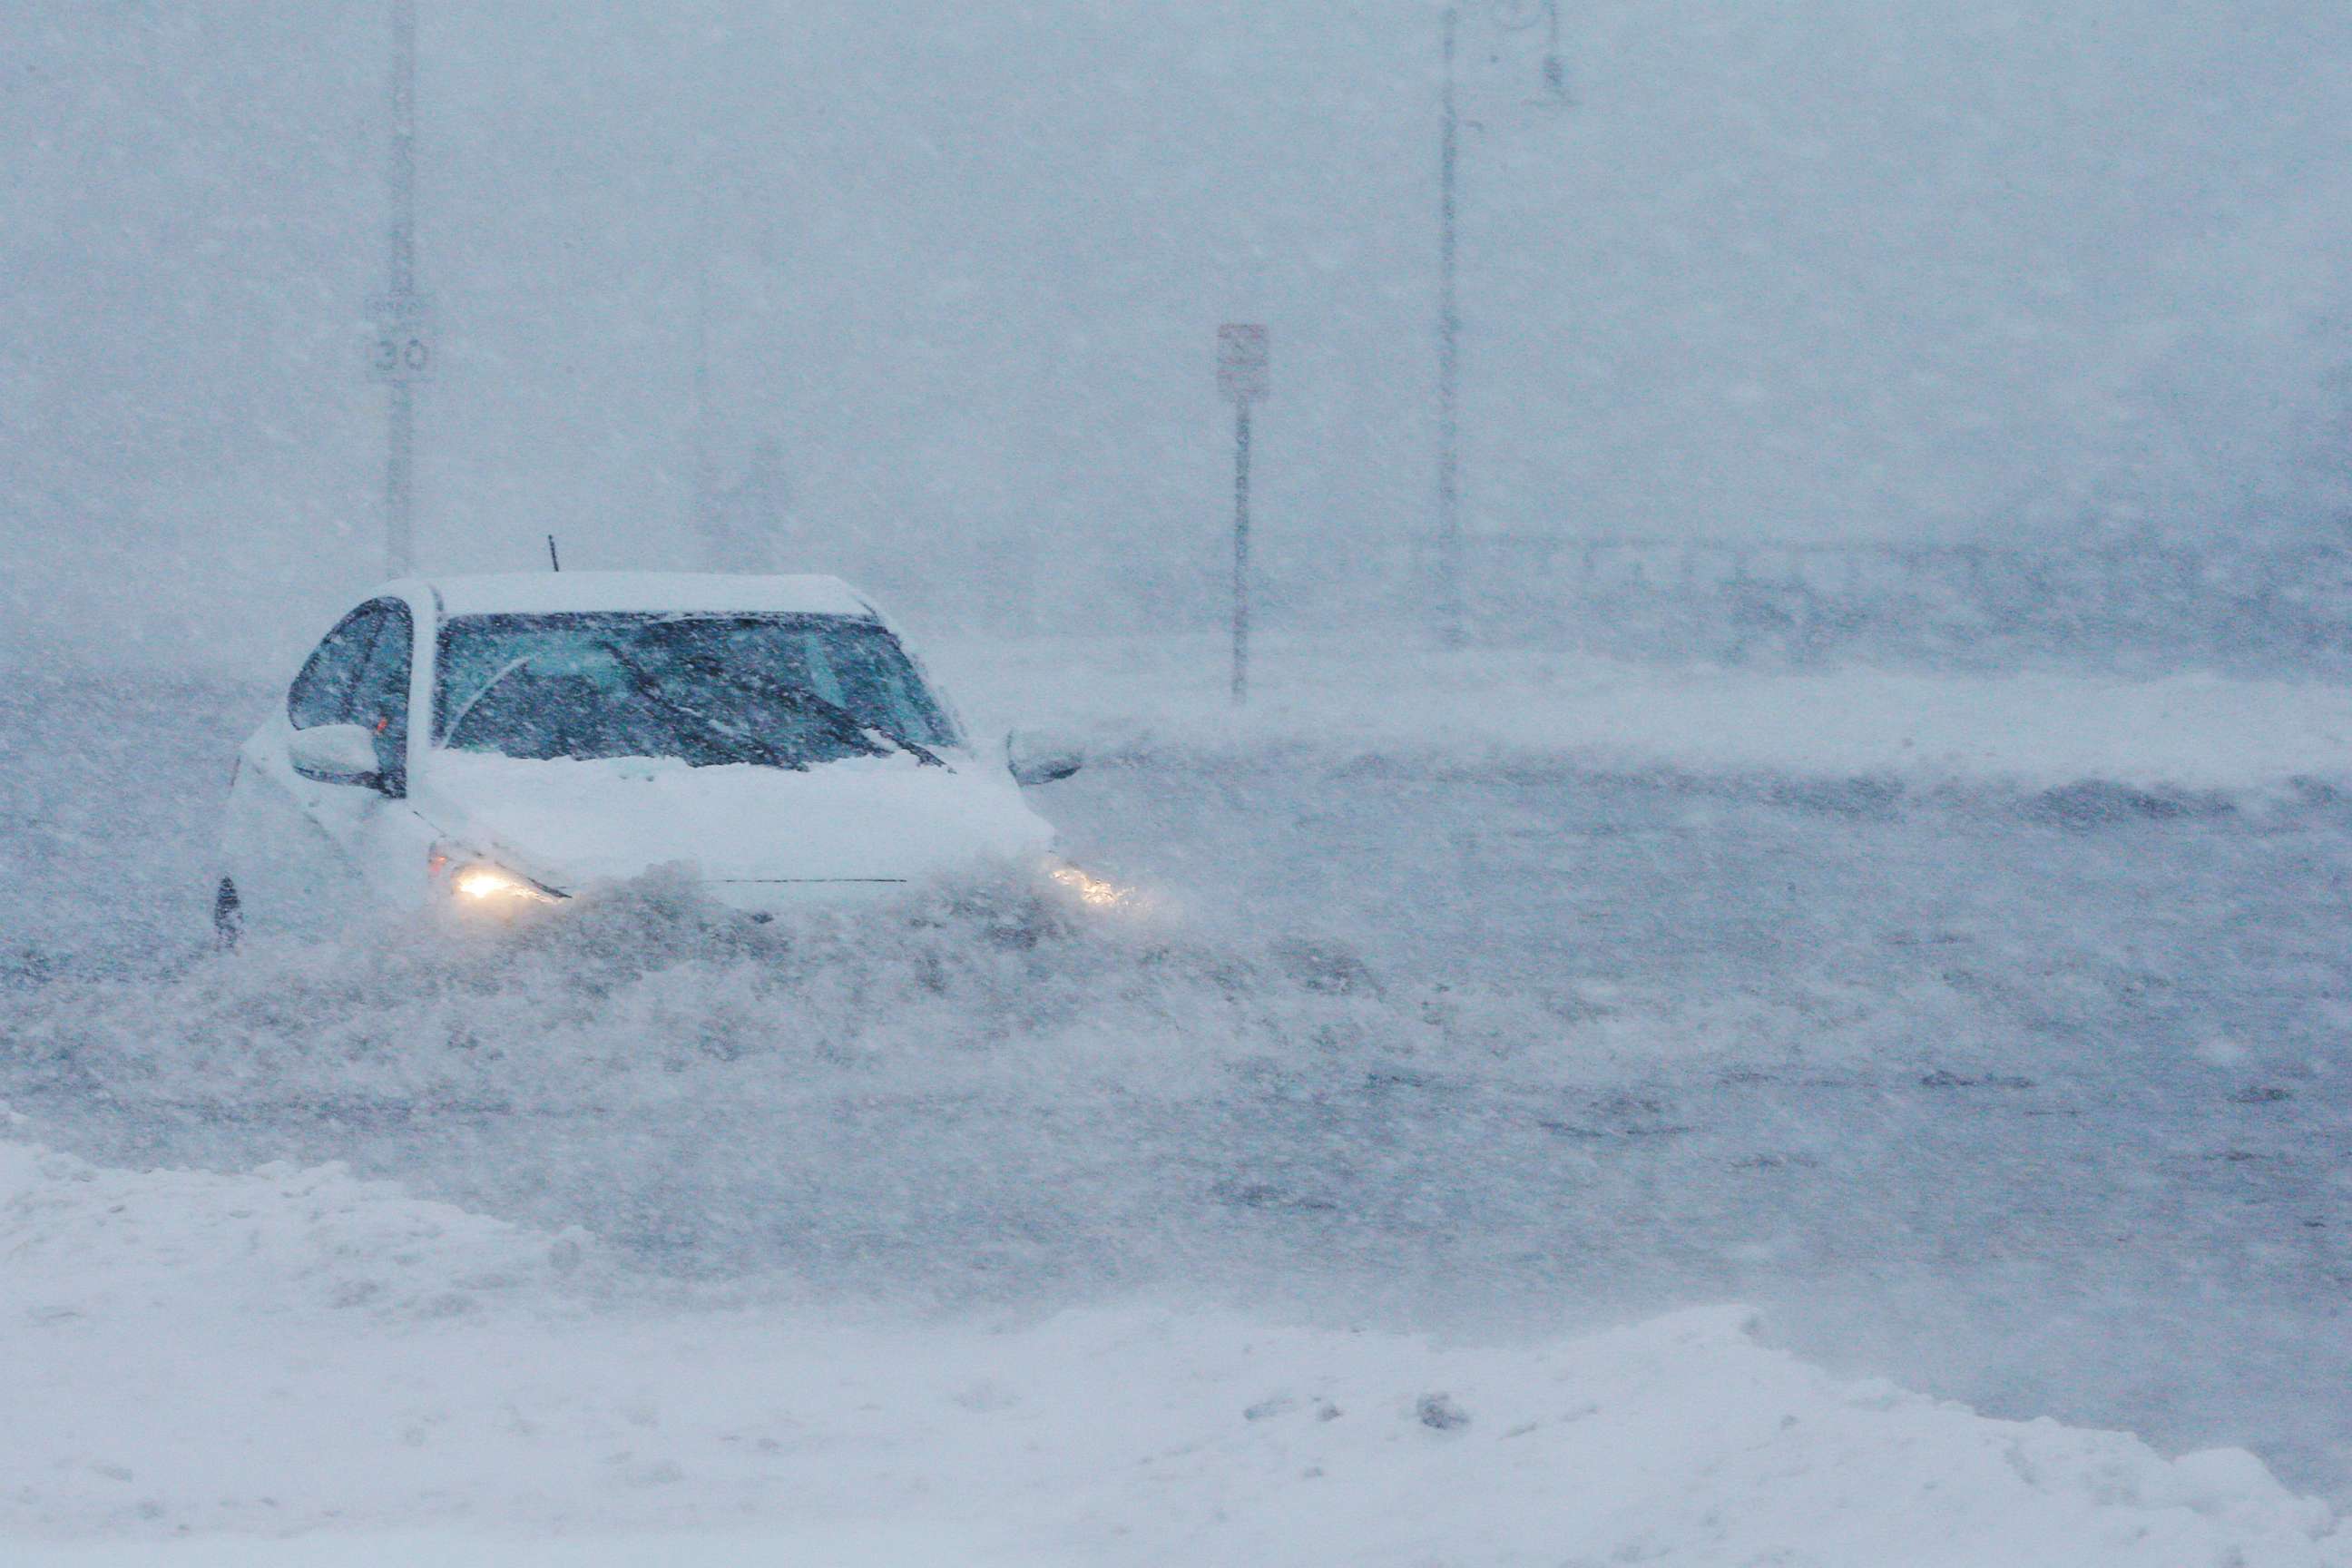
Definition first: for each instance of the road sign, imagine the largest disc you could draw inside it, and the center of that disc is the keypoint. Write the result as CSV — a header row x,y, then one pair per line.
x,y
1241,362
400,350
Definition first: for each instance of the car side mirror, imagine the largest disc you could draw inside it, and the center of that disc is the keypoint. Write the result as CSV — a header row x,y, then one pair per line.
x,y
336,754
1033,762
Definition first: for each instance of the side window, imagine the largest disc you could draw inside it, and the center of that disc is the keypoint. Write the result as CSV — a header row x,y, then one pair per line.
x,y
320,693
379,700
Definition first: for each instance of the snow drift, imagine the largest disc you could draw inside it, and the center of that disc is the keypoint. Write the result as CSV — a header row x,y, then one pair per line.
x,y
302,1360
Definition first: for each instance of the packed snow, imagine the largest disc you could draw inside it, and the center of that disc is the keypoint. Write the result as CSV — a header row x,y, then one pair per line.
x,y
328,1371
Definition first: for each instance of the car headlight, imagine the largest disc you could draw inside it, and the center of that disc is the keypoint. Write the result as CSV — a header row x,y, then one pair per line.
x,y
482,883
479,884
1089,891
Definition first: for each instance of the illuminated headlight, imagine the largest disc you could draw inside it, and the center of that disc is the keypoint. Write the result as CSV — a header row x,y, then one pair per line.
x,y
484,885
1091,891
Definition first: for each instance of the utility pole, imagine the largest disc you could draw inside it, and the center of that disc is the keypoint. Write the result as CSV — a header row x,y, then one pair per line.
x,y
706,461
1446,591
1242,376
401,355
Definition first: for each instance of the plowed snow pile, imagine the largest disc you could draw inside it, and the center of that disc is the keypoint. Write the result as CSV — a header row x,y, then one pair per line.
x,y
292,1354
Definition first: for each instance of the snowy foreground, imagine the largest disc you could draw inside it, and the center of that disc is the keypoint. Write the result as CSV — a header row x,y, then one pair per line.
x,y
298,1354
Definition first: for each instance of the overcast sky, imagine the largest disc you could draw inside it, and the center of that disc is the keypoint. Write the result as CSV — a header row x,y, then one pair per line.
x,y
1840,269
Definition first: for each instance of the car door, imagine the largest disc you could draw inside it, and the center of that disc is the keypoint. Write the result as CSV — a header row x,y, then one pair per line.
x,y
306,853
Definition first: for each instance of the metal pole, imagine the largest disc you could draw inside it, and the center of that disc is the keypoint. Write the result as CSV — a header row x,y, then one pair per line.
x,y
400,485
399,458
706,473
1555,69
1241,550
1446,610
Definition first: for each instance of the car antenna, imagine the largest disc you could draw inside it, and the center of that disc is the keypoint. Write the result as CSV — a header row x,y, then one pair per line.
x,y
554,562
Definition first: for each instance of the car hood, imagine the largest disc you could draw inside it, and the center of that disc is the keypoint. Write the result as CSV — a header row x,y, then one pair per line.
x,y
859,820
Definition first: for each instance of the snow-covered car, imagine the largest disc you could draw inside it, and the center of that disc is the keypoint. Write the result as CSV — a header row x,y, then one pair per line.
x,y
490,742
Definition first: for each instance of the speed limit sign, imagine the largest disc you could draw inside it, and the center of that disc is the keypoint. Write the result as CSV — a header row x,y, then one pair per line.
x,y
400,350
400,357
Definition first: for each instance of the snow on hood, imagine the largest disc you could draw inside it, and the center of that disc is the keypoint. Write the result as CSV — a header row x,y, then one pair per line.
x,y
860,819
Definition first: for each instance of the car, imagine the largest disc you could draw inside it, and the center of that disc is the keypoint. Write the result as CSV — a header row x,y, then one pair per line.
x,y
485,743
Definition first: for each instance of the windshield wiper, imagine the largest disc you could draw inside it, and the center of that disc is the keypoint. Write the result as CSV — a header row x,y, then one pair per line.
x,y
908,744
800,696
719,733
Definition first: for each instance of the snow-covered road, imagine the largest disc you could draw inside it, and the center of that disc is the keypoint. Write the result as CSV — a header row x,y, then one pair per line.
x,y
2019,1084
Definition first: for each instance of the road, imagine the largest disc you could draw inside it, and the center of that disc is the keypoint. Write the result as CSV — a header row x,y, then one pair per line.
x,y
2032,1098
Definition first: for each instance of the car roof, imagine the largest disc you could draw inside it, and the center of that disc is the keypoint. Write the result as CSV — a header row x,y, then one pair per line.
x,y
557,593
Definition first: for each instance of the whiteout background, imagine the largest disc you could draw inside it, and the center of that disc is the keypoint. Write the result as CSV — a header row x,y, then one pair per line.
x,y
1841,270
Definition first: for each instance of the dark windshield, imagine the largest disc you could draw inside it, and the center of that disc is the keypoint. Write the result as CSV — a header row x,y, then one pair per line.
x,y
778,691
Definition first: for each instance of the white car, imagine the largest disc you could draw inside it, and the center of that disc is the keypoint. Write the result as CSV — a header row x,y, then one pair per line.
x,y
485,743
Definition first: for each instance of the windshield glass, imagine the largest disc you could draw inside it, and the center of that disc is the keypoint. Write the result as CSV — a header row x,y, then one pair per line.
x,y
777,690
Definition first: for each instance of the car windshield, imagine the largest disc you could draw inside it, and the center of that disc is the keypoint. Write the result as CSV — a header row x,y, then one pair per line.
x,y
776,690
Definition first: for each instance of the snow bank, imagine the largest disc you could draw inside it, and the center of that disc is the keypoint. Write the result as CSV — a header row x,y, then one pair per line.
x,y
881,1546
88,1242
190,1384
2191,731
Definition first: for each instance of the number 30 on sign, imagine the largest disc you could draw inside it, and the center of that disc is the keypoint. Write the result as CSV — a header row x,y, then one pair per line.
x,y
399,358
401,347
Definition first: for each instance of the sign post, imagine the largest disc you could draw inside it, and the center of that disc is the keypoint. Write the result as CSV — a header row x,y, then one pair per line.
x,y
400,350
1241,365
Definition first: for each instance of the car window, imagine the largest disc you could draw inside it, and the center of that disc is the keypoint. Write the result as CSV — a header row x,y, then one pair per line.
x,y
321,693
785,691
379,698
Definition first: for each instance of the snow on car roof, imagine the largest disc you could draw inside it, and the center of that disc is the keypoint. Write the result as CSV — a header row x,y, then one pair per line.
x,y
556,592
